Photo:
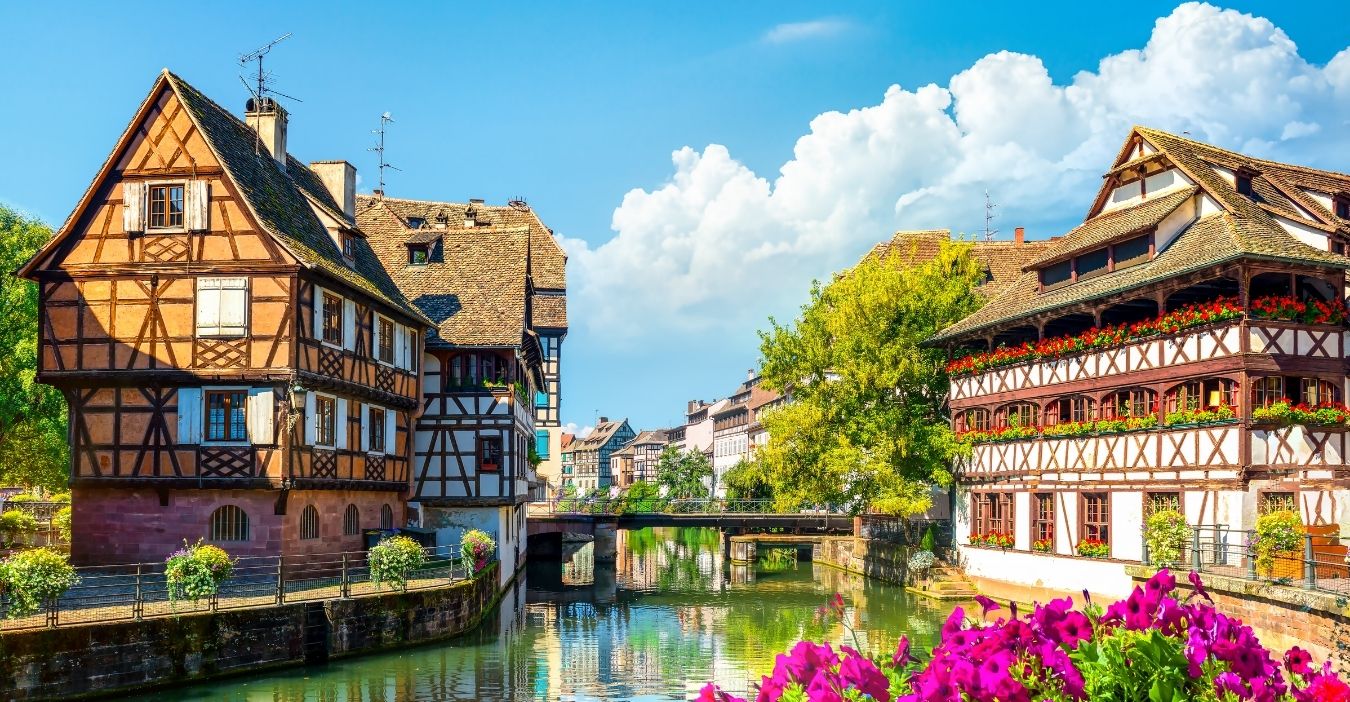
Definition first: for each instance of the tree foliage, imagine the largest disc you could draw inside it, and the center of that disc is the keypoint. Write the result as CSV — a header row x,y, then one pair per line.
x,y
747,481
866,425
33,450
685,474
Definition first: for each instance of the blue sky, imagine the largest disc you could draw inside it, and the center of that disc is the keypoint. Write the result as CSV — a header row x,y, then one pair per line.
x,y
800,152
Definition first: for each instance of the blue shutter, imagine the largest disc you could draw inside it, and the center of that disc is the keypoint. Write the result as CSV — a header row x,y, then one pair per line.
x,y
541,443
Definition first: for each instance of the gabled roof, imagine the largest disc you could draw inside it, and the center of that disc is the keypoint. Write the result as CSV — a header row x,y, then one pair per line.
x,y
649,436
1111,226
473,286
603,432
282,201
1003,260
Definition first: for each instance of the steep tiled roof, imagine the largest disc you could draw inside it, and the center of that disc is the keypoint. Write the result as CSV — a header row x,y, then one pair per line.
x,y
549,311
1113,225
1003,260
548,262
281,199
473,284
761,396
603,432
649,436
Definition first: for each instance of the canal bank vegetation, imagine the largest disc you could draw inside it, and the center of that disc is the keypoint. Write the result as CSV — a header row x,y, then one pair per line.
x,y
1156,645
866,426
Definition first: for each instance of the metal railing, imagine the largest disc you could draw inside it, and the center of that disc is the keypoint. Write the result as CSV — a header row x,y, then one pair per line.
x,y
138,591
656,505
1319,562
906,532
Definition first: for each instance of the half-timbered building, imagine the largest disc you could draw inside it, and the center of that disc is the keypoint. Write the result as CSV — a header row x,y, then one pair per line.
x,y
491,279
1142,362
238,365
591,456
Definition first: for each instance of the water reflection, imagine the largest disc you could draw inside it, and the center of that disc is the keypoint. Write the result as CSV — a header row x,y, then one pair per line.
x,y
666,616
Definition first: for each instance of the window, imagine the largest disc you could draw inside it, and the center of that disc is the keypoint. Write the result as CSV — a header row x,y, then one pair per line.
x,y
489,453
351,521
325,420
309,523
1057,275
1267,390
225,415
418,254
166,206
228,523
541,443
1155,502
1343,207
384,336
222,306
1244,184
974,420
471,370
348,246
1316,391
1202,394
376,430
1096,516
1018,414
1092,264
1277,502
1137,402
332,318
1130,252
386,517
1043,518
1070,409
993,513
416,222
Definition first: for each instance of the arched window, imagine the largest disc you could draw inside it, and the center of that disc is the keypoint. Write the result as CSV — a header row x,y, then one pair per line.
x,y
1017,414
1267,390
386,517
309,523
351,521
1315,391
976,419
1206,394
1135,402
228,523
1077,408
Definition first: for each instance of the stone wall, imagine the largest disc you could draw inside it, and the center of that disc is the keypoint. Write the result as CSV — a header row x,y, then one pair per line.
x,y
875,559
117,657
1280,615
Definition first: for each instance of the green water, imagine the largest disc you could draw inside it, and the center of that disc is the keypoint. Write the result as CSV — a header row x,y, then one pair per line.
x,y
656,625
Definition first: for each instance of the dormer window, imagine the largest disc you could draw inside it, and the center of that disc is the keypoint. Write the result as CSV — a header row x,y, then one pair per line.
x,y
348,246
416,222
1342,206
442,220
418,254
166,206
1242,180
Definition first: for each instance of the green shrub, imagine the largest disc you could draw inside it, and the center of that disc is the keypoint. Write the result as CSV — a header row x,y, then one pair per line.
x,y
23,497
393,559
61,521
59,497
477,548
1166,534
1281,530
34,577
196,571
929,540
15,524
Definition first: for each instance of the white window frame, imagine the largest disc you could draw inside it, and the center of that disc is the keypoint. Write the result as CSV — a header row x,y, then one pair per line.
x,y
312,419
393,343
206,415
181,229
219,288
319,295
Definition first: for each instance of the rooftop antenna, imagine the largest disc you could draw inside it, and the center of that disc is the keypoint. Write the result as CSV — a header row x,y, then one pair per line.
x,y
989,206
378,148
259,89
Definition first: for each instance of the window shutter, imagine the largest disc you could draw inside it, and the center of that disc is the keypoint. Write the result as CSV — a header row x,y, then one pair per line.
x,y
399,343
390,446
261,409
133,206
311,419
348,324
198,205
189,415
318,312
365,427
340,436
234,307
208,306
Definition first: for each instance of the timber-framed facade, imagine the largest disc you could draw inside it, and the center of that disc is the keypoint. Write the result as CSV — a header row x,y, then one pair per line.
x,y
1134,363
213,315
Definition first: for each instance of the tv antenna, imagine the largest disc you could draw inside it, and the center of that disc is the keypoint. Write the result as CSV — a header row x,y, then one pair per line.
x,y
989,215
378,148
259,90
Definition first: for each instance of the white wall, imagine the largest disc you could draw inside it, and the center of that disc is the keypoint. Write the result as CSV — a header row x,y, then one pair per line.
x,y
1039,570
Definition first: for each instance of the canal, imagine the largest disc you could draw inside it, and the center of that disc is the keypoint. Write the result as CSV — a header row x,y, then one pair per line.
x,y
668,616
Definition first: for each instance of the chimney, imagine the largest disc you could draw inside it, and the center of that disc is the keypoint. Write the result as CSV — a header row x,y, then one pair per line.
x,y
340,179
268,119
750,374
1019,235
604,419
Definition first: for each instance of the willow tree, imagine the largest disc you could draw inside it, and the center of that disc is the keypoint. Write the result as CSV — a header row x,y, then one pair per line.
x,y
866,426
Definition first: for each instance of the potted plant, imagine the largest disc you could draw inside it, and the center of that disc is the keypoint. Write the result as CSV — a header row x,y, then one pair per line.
x,y
1166,534
920,563
33,578
1043,545
196,571
393,560
477,548
1278,544
1094,548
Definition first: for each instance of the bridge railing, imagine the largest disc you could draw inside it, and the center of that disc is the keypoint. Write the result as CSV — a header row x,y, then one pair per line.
x,y
624,505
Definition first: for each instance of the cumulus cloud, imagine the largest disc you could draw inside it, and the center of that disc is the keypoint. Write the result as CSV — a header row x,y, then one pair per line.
x,y
718,246
580,431
788,32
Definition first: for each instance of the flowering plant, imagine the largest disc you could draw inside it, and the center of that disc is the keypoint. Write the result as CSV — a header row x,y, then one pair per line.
x,y
1278,531
33,578
1043,545
921,562
394,559
993,539
1293,309
1094,548
196,571
1015,433
477,548
1195,314
1063,429
1154,645
1285,413
1222,413
1166,534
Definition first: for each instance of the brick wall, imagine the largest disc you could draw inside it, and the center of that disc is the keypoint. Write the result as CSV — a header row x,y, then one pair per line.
x,y
105,659
875,559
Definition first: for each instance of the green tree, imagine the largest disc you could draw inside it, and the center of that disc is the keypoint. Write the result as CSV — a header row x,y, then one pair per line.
x,y
684,473
33,450
866,425
747,481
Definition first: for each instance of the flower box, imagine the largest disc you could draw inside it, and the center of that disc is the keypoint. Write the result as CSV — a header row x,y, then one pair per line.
x,y
1287,565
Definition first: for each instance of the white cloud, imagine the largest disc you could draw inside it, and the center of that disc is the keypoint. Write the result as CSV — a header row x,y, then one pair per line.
x,y
718,246
800,31
579,431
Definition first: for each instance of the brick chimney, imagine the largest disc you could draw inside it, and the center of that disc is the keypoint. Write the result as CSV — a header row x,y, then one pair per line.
x,y
268,119
604,419
340,179
1019,235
